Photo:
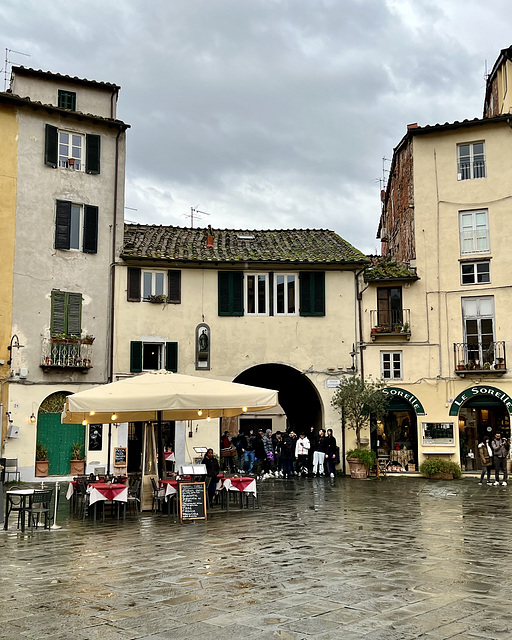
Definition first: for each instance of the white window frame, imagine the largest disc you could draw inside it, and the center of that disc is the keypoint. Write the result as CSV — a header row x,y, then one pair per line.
x,y
74,151
472,166
256,276
387,361
161,354
76,235
155,290
474,231
475,273
286,300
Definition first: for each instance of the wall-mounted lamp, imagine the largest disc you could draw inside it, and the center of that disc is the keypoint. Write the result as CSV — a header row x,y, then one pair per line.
x,y
32,418
8,414
15,342
113,417
200,413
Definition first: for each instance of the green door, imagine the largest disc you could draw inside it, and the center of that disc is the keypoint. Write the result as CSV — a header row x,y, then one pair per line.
x,y
58,438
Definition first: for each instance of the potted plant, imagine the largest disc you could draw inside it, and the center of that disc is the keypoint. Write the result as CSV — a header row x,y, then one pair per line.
x,y
440,469
42,463
88,339
501,363
360,461
397,327
461,366
77,462
158,298
406,327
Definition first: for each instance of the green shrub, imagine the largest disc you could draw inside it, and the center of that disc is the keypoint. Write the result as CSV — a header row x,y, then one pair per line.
x,y
431,466
365,456
41,452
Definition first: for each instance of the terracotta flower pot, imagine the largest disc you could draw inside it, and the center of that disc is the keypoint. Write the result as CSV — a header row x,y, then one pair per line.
x,y
357,468
42,467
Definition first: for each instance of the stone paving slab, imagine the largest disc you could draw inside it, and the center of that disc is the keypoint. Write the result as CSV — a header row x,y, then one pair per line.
x,y
393,559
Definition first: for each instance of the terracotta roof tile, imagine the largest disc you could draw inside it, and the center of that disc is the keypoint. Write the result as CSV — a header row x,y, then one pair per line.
x,y
311,246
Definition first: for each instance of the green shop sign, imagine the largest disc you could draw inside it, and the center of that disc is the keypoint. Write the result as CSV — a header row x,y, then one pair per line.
x,y
479,391
396,394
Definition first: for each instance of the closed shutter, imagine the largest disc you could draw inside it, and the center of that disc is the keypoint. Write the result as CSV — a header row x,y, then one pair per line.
x,y
74,314
271,294
312,293
90,229
58,313
51,146
135,356
62,224
133,285
171,356
92,153
174,288
231,293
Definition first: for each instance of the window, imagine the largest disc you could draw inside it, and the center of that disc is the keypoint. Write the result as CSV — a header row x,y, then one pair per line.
x,y
312,293
67,100
230,293
437,433
391,365
256,294
471,160
76,226
475,272
285,294
389,307
65,149
66,313
152,356
478,321
153,283
474,231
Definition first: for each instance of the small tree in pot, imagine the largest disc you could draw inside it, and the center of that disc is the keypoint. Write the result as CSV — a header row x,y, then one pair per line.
x,y
42,462
356,400
77,463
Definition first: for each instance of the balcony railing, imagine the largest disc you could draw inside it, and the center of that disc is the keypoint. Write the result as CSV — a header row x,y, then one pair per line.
x,y
66,354
393,322
480,357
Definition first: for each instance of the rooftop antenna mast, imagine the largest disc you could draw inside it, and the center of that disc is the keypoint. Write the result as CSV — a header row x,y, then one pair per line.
x,y
193,214
8,62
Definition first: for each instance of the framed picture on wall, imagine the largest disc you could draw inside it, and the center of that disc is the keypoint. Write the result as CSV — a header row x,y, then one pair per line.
x,y
95,437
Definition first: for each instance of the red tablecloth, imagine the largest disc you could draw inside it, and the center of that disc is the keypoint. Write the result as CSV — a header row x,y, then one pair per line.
x,y
170,486
247,485
106,491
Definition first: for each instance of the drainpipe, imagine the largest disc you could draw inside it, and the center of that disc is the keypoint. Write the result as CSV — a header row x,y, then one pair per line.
x,y
359,296
110,363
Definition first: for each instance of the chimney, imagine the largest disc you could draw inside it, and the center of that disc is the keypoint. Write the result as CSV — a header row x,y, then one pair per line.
x,y
414,125
209,238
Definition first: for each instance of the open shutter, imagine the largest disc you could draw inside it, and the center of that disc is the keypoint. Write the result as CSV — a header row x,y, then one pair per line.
x,y
171,356
58,313
271,294
135,356
51,146
174,288
231,293
62,224
90,229
312,293
92,153
133,285
74,314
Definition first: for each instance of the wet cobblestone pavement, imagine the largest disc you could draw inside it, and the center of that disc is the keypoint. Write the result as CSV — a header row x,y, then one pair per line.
x,y
386,559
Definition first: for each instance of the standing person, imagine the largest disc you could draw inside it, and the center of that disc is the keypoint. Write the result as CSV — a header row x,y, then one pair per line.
x,y
293,438
331,453
260,455
320,454
287,452
312,437
239,442
500,449
268,462
485,451
212,471
248,450
278,447
301,454
226,453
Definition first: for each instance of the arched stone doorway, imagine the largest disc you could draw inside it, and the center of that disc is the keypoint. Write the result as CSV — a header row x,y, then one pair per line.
x,y
482,411
298,397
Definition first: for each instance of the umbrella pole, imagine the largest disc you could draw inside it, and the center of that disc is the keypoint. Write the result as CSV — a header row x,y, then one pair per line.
x,y
108,447
160,445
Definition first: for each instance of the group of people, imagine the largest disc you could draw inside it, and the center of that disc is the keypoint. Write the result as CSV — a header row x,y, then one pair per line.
x,y
280,454
494,453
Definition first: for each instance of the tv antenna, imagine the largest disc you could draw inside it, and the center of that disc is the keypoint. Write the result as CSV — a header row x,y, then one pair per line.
x,y
9,62
193,214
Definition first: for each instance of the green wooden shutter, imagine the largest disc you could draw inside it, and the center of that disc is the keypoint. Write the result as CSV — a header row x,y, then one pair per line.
x,y
231,293
133,284
312,293
135,356
51,146
174,288
171,356
90,229
92,153
62,224
74,314
271,293
58,313
67,100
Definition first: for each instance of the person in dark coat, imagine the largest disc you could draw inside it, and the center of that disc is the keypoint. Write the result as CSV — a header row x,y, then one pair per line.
x,y
485,452
331,453
287,455
320,453
500,449
212,471
248,449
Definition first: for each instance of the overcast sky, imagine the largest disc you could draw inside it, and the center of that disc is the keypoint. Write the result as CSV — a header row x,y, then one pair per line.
x,y
266,113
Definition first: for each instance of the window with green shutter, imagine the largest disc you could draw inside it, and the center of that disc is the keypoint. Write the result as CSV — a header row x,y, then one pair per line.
x,y
66,149
76,226
67,100
231,293
92,153
312,293
135,356
51,146
171,356
66,313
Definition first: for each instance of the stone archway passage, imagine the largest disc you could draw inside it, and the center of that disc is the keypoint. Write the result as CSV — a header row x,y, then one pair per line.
x,y
297,395
489,395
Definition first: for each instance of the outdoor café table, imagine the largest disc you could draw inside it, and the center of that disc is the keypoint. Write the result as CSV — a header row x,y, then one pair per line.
x,y
242,485
170,491
11,503
106,492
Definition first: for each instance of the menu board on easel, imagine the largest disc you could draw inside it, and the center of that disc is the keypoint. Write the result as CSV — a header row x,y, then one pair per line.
x,y
192,500
120,459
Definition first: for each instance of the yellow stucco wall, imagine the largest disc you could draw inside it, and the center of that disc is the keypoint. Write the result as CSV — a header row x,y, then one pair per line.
x,y
8,176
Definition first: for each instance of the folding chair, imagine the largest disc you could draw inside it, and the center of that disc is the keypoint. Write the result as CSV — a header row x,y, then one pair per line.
x,y
11,468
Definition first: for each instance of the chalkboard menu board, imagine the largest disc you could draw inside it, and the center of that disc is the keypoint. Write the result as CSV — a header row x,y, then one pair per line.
x,y
192,500
120,456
